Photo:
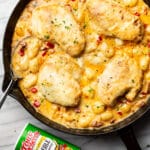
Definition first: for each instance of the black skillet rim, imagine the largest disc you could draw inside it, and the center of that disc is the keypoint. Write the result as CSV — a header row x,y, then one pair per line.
x,y
17,94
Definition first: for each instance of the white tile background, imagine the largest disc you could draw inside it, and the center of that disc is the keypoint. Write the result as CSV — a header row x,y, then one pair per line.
x,y
13,116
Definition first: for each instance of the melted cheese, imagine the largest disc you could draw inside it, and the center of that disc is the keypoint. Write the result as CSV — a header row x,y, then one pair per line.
x,y
100,50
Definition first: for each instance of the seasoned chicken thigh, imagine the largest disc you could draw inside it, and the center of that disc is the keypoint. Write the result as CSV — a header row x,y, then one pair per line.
x,y
111,19
57,23
58,80
121,75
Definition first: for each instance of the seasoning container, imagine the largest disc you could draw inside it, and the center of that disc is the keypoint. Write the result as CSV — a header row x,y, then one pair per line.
x,y
34,138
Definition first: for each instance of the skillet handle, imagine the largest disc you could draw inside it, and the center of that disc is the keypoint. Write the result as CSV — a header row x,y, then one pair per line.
x,y
129,139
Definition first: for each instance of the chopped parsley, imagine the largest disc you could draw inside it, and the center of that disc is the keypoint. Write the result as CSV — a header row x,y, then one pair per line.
x,y
67,27
74,9
133,81
90,90
42,100
100,106
84,26
86,106
46,37
75,42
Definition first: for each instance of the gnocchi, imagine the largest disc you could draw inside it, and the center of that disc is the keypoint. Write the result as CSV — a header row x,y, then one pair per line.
x,y
80,65
33,47
130,3
144,62
84,121
88,92
98,107
29,80
125,108
148,76
23,63
34,65
106,116
90,73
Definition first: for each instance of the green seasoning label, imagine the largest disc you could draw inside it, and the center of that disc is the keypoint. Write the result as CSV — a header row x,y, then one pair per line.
x,y
34,138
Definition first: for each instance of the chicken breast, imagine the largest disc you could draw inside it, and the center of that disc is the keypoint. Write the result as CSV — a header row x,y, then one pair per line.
x,y
57,23
58,80
111,19
121,76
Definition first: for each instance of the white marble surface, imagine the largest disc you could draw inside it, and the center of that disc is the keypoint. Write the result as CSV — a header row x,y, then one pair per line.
x,y
13,116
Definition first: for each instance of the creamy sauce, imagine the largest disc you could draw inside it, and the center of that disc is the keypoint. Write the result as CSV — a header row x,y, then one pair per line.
x,y
100,50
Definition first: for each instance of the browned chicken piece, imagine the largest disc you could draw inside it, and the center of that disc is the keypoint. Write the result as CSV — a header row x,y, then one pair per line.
x,y
111,19
58,80
121,76
55,22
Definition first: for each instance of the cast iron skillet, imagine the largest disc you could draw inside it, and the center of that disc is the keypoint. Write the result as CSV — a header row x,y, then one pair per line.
x,y
124,127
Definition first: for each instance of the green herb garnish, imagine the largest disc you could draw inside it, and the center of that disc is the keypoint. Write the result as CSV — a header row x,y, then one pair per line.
x,y
46,37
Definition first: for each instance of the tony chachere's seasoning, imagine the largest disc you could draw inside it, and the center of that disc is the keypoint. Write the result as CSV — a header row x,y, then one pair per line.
x,y
33,138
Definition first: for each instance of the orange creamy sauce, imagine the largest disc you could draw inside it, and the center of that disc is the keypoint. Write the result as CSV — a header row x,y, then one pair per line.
x,y
91,112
